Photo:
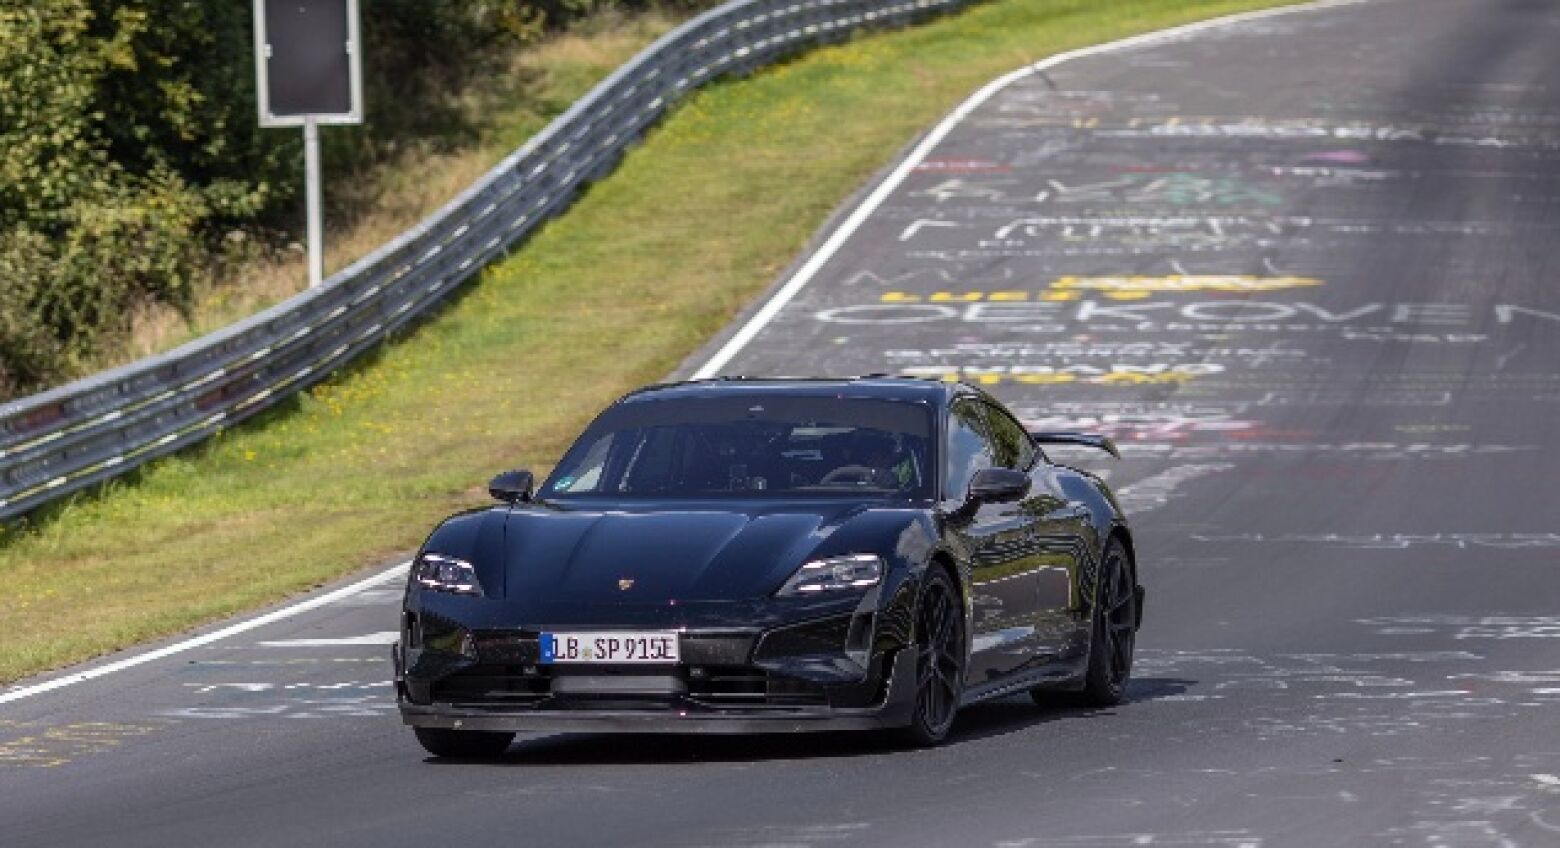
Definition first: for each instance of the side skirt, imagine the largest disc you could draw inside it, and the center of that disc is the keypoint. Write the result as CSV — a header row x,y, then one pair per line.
x,y
1061,675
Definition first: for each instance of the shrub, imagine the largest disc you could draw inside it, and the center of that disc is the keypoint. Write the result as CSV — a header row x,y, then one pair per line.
x,y
128,145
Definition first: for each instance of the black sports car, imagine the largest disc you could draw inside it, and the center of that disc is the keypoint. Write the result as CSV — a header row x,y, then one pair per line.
x,y
753,555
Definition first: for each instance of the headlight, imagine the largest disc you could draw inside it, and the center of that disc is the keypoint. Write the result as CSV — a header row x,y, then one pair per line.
x,y
446,574
852,571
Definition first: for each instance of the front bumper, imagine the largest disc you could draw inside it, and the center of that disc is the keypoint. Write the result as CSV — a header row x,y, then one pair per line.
x,y
678,715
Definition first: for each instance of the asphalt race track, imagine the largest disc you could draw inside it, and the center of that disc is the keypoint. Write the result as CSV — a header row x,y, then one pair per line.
x,y
1301,266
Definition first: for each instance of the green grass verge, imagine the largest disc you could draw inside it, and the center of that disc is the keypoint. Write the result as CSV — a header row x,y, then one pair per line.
x,y
649,264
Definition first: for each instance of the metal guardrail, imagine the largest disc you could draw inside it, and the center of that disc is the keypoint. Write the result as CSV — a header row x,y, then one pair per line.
x,y
63,440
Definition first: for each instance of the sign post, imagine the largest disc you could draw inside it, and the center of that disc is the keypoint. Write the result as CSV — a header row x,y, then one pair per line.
x,y
311,190
308,72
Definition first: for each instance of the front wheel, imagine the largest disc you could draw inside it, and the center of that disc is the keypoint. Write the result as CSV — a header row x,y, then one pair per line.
x,y
463,744
939,664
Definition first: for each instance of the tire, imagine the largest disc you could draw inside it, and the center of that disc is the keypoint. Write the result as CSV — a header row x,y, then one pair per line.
x,y
1113,635
939,666
463,744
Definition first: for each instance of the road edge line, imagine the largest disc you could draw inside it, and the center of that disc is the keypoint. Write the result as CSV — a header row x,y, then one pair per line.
x,y
271,617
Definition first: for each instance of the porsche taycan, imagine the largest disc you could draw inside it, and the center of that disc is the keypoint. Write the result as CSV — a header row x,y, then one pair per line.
x,y
772,555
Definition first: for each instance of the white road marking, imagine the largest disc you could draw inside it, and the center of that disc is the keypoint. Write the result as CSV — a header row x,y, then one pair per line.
x,y
205,639
385,637
736,343
861,213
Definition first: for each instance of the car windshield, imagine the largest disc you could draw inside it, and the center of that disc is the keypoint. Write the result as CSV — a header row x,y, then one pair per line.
x,y
776,446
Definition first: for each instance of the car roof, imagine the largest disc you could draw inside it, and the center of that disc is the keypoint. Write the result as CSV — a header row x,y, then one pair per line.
x,y
882,386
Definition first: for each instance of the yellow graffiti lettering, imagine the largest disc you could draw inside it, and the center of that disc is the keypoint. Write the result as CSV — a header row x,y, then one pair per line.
x,y
1237,283
1044,379
1134,379
58,745
1055,378
1112,288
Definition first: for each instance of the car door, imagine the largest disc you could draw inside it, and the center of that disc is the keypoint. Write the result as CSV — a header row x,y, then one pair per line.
x,y
1054,529
998,542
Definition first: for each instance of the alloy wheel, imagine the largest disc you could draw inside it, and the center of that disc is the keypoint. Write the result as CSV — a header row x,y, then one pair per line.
x,y
939,664
1118,609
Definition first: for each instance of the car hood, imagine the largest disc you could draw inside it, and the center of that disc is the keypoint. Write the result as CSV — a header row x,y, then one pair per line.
x,y
658,555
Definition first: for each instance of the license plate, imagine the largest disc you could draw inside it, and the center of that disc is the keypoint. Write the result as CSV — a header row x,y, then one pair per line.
x,y
615,647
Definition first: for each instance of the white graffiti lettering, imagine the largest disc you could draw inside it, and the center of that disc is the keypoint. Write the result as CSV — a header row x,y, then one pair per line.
x,y
1143,315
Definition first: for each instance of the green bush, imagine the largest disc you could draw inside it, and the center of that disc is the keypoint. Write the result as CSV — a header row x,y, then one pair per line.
x,y
129,145
81,234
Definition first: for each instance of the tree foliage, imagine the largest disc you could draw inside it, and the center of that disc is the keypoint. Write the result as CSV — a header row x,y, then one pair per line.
x,y
81,233
129,144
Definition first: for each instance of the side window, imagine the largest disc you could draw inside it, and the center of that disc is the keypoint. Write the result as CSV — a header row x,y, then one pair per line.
x,y
1014,447
969,449
591,469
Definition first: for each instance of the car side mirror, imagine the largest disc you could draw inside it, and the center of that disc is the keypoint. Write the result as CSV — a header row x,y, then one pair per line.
x,y
512,486
998,485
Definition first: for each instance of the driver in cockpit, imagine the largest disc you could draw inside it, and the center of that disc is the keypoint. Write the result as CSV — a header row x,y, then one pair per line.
x,y
874,459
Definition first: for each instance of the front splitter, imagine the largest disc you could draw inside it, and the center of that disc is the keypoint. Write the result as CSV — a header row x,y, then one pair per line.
x,y
895,711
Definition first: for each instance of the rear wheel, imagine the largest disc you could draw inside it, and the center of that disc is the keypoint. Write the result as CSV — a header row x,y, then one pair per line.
x,y
939,664
1113,637
462,744
1114,632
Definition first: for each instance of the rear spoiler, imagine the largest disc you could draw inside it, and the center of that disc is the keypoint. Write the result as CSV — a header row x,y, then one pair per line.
x,y
1089,440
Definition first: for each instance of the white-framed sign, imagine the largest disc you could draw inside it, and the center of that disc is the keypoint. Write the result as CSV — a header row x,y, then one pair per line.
x,y
308,62
309,71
